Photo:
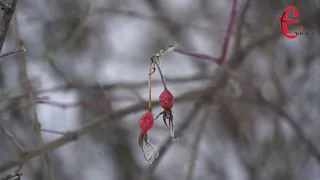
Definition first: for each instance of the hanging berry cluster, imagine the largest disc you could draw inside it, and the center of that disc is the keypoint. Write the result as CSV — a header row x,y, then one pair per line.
x,y
166,100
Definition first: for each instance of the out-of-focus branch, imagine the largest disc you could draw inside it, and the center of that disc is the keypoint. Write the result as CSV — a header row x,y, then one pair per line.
x,y
11,176
7,8
62,105
240,26
195,145
236,57
65,133
74,135
225,44
197,55
125,85
65,87
13,140
279,111
151,18
32,97
300,132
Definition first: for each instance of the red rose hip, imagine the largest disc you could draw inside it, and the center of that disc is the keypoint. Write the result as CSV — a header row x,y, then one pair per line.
x,y
166,99
146,122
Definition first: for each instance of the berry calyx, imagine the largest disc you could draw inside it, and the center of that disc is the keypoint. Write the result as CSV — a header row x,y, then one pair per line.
x,y
146,122
166,99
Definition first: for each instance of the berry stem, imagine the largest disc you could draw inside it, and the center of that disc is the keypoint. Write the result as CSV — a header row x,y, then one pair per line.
x,y
161,75
149,87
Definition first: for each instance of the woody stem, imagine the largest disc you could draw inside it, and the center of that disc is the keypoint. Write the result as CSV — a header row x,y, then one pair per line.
x,y
149,87
161,76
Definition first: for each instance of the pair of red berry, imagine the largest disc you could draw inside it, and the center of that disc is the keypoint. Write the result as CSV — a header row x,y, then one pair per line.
x,y
166,101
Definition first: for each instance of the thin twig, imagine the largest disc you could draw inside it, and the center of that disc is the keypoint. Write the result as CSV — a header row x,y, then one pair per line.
x,y
12,52
156,60
161,76
197,55
149,88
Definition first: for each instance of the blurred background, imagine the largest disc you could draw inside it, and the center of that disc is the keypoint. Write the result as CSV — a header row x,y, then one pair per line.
x,y
257,119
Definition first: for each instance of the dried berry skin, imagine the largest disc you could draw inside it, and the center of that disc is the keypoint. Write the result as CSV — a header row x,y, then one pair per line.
x,y
166,99
146,122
